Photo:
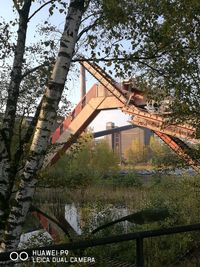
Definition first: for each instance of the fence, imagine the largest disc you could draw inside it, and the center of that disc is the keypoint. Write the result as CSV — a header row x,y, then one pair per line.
x,y
138,236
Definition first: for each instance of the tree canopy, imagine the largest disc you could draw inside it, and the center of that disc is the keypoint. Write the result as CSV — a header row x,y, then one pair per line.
x,y
156,43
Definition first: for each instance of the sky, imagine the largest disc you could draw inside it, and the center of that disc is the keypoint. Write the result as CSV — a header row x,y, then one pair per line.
x,y
99,122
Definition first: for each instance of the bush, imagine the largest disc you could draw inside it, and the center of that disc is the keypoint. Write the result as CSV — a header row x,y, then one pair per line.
x,y
163,156
137,153
126,180
82,165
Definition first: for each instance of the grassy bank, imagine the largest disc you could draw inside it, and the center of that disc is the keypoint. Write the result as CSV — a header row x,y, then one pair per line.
x,y
179,194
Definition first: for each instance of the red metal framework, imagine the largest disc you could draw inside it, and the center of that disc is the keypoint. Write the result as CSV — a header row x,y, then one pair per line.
x,y
180,148
129,101
47,225
141,116
65,124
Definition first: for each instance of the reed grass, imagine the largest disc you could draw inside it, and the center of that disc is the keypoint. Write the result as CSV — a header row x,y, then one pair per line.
x,y
130,197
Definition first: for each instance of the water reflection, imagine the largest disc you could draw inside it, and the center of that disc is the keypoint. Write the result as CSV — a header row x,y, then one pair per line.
x,y
72,215
88,218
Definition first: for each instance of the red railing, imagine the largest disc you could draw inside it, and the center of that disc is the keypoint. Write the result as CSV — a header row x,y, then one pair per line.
x,y
65,124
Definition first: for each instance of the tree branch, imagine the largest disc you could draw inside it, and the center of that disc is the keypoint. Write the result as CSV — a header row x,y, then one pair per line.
x,y
86,29
103,59
20,149
160,72
20,127
18,154
32,70
89,16
45,4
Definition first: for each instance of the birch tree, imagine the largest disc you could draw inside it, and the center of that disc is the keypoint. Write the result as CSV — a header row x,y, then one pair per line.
x,y
46,118
8,122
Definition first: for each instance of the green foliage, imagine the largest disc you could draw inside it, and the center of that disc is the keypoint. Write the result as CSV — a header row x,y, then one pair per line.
x,y
158,44
179,196
103,160
82,165
178,201
137,153
163,156
124,180
118,14
157,153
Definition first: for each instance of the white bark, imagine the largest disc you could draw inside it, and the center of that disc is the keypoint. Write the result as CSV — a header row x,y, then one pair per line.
x,y
6,171
4,181
16,73
43,129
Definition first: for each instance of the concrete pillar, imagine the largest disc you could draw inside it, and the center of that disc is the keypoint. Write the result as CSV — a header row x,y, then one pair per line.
x,y
110,137
82,81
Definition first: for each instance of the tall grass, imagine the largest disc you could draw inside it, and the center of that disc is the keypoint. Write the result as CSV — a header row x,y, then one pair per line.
x,y
127,196
181,195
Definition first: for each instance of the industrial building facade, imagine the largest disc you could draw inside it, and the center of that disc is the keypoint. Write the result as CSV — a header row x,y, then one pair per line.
x,y
121,141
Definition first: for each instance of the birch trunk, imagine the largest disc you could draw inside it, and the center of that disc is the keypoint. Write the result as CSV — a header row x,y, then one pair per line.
x,y
16,73
43,128
6,176
4,181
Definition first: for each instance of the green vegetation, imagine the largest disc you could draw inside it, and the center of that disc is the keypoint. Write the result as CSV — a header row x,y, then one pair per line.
x,y
123,180
156,155
91,180
84,164
88,162
137,153
163,156
179,195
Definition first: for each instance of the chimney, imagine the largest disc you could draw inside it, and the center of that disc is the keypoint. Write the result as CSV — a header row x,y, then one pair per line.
x,y
82,81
